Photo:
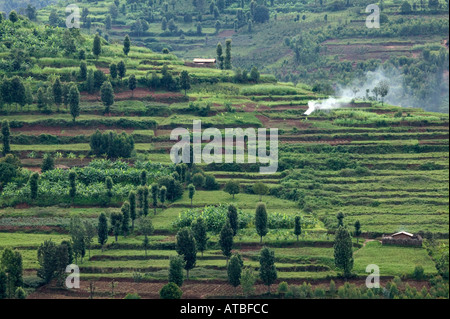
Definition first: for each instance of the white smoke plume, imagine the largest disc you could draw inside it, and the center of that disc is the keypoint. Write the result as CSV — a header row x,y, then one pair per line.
x,y
361,89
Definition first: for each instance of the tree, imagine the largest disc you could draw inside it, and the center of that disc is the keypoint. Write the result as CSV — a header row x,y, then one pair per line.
x,y
432,4
185,81
72,185
234,271
227,60
340,217
357,232
132,201
217,26
254,75
146,228
226,240
170,291
125,210
145,193
109,187
187,247
121,69
102,230
233,219
113,71
132,83
107,96
164,24
405,8
144,178
162,195
31,12
220,57
383,89
267,270
155,190
261,220
46,256
3,278
48,163
57,92
90,233
6,138
83,71
11,264
13,16
191,189
200,234
78,235
176,270
260,189
261,14
232,187
108,22
248,279
74,102
34,178
116,223
297,226
126,45
97,46
343,252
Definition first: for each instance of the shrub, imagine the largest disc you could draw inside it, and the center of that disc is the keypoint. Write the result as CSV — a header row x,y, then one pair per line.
x,y
211,183
198,180
418,273
170,291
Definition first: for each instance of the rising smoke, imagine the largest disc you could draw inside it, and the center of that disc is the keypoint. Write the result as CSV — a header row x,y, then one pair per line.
x,y
400,94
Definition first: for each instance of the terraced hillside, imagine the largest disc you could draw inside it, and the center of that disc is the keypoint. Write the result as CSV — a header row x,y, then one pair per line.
x,y
325,44
383,165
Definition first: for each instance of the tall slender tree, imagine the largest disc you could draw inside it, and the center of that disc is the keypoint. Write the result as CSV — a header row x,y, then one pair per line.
x,y
357,232
6,138
297,226
343,251
227,60
132,201
200,234
220,58
132,83
187,247
233,218
155,191
97,46
261,220
126,45
191,189
125,210
74,102
185,81
72,186
107,96
102,230
267,269
57,92
34,185
234,271
226,240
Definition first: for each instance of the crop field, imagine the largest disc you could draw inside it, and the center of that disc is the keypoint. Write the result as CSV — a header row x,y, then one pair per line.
x,y
371,162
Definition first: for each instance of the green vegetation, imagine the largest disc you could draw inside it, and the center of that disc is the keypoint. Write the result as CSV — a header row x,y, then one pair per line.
x,y
86,121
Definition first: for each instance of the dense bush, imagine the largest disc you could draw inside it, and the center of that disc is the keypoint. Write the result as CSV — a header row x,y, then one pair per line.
x,y
112,144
